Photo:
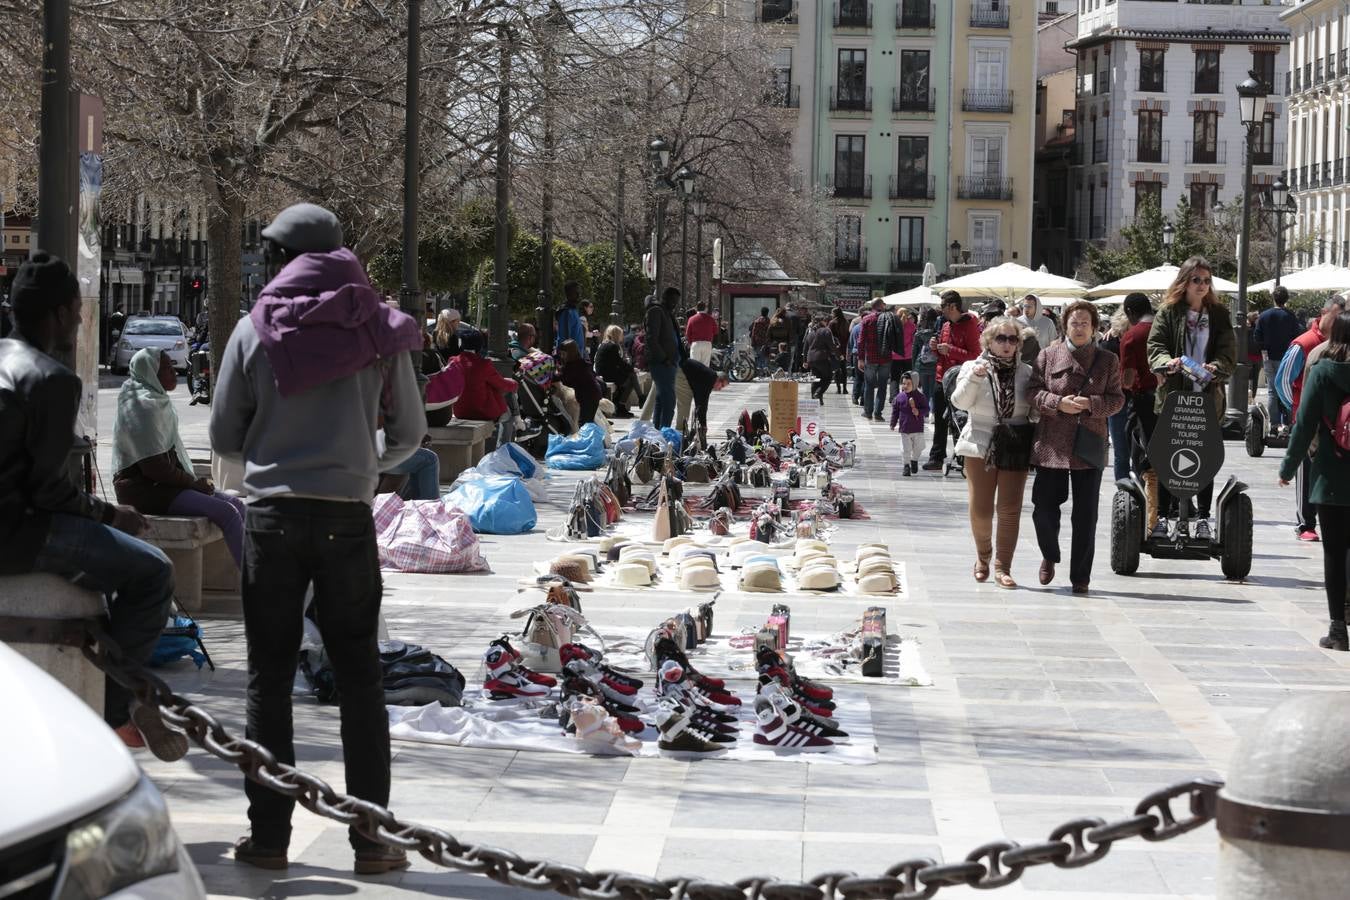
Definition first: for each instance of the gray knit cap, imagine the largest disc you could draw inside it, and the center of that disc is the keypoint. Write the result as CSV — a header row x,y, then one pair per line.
x,y
305,228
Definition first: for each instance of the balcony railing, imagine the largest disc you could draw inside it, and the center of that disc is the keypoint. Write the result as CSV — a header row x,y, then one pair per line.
x,y
777,11
905,100
1315,175
852,14
983,259
788,96
851,99
913,187
989,17
983,187
1339,177
1288,88
1343,62
851,262
981,100
1268,156
1206,154
850,185
919,16
906,259
1148,152
1099,150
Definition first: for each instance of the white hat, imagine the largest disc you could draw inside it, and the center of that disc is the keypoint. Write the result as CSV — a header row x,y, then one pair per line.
x,y
672,543
641,559
697,562
699,578
608,542
871,549
812,544
876,564
818,578
877,582
632,574
761,577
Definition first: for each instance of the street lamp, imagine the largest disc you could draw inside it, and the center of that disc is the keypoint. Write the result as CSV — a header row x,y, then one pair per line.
x,y
658,155
684,180
1169,235
700,209
1281,205
955,251
1252,106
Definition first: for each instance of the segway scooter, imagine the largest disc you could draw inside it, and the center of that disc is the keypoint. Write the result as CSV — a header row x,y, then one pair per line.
x,y
1259,434
1186,453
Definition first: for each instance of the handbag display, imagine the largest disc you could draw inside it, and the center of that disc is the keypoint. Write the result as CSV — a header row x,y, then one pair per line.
x,y
844,504
873,642
616,477
547,628
779,620
690,628
672,519
720,523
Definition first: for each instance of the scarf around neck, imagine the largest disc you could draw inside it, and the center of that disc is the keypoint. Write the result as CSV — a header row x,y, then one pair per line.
x,y
146,424
1003,382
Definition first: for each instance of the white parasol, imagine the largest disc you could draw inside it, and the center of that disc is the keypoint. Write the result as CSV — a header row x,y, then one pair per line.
x,y
1010,281
1153,281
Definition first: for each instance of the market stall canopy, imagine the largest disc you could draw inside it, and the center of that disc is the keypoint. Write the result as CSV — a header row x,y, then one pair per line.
x,y
1010,281
917,296
1153,281
1321,277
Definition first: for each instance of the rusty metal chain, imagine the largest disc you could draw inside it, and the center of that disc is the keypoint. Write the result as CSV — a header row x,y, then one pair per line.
x,y
1075,843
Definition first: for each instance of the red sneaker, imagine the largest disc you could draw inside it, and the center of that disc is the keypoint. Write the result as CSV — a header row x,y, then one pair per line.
x,y
130,735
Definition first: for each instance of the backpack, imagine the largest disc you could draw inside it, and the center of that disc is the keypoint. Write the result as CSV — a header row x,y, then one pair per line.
x,y
1340,429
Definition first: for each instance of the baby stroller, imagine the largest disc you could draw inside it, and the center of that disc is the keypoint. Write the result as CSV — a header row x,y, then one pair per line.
x,y
956,422
544,414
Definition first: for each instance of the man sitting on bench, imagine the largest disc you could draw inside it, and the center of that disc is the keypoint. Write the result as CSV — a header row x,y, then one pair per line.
x,y
47,524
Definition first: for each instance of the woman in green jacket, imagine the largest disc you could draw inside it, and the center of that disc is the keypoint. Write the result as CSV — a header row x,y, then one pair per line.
x,y
1192,321
1324,390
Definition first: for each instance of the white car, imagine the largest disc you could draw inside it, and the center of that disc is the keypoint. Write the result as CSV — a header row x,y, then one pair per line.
x,y
79,819
165,333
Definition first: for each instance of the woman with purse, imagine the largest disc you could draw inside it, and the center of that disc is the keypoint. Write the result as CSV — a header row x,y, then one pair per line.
x,y
1075,387
996,444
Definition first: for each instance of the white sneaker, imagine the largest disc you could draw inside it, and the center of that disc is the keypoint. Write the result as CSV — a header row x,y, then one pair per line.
x,y
518,424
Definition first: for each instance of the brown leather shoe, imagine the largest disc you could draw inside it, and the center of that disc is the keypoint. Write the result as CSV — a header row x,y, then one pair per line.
x,y
1047,571
1080,588
380,860
245,851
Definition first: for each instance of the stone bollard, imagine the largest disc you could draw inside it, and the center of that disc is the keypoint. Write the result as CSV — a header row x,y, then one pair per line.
x,y
1284,814
42,617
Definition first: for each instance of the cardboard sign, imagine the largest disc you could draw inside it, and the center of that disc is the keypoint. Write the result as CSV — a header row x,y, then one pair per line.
x,y
782,409
1187,446
809,422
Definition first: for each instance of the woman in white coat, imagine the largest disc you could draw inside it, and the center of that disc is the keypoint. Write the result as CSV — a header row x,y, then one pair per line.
x,y
996,443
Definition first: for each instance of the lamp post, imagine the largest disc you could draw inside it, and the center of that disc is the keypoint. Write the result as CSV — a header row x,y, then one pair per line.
x,y
410,293
684,182
954,252
1252,105
1169,235
658,155
699,209
1281,205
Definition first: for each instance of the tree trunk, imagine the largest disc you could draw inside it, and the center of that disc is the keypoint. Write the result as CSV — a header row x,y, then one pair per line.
x,y
224,227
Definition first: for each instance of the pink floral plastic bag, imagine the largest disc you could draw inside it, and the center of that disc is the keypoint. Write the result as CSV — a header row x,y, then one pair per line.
x,y
426,536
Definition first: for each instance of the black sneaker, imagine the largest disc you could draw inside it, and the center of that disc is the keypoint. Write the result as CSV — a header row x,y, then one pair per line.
x,y
249,853
1202,530
933,465
1159,532
1183,532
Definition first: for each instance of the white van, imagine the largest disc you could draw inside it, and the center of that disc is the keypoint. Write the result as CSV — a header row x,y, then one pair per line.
x,y
78,819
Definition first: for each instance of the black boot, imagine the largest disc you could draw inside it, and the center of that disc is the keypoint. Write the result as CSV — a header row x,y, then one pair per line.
x,y
1336,638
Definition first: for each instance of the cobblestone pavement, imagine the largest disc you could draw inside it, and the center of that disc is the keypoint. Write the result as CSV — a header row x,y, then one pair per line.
x,y
1045,707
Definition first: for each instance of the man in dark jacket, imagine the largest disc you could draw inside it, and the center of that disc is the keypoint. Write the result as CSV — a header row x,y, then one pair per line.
x,y
1275,330
47,524
304,381
664,353
958,342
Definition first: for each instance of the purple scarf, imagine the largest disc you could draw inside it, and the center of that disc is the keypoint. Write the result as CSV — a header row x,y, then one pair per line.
x,y
320,320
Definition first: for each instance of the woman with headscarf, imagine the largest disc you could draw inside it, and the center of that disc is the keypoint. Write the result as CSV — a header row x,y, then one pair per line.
x,y
153,471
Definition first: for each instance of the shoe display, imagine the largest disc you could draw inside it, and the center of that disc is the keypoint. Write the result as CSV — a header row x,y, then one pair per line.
x,y
504,680
767,658
1202,532
773,731
793,714
1308,535
1336,638
536,677
680,735
622,680
667,649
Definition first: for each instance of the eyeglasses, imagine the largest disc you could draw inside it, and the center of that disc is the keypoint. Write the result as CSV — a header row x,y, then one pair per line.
x,y
1196,279
1007,338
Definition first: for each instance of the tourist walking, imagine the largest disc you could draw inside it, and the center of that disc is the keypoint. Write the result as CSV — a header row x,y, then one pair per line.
x,y
1075,387
902,343
1117,422
47,524
1033,316
874,353
994,390
854,364
304,380
909,410
152,470
822,356
664,352
1193,322
958,342
1275,330
925,357
839,327
1325,390
759,339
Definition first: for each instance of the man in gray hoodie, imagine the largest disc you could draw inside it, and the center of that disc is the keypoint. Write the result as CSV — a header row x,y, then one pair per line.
x,y
304,384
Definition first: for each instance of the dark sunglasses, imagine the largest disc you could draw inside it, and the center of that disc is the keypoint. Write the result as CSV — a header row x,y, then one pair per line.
x,y
1196,279
1007,339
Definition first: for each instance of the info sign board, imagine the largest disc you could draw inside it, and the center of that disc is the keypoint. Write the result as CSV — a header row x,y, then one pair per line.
x,y
1187,446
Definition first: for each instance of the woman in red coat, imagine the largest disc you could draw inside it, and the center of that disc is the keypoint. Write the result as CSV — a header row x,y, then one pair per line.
x,y
485,389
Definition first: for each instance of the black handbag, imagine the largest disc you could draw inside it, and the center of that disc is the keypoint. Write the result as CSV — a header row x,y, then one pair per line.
x,y
1010,445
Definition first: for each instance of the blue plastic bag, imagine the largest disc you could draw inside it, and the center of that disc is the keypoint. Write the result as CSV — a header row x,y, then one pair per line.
x,y
179,639
496,504
675,438
583,450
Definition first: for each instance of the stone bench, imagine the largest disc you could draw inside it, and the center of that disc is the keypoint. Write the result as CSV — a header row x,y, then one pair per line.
x,y
460,445
42,617
205,577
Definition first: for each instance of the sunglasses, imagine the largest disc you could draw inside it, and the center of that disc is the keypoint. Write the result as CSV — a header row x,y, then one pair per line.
x,y
1196,279
1007,339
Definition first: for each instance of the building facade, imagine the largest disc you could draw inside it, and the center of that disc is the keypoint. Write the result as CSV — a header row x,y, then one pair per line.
x,y
1318,88
914,118
1157,107
1056,118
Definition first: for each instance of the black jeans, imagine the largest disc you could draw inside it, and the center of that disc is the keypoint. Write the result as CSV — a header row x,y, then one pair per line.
x,y
938,452
824,373
290,543
840,376
1047,496
1335,547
